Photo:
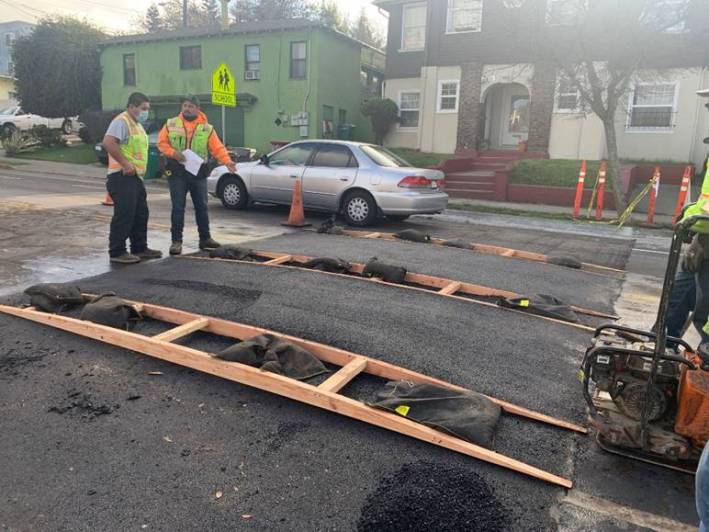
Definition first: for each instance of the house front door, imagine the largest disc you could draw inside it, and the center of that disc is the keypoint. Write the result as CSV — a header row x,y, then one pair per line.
x,y
515,115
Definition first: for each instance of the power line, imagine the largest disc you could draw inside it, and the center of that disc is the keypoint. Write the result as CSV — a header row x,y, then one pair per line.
x,y
20,9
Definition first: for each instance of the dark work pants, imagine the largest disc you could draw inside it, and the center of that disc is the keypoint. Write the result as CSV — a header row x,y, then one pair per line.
x,y
182,182
130,214
701,311
682,302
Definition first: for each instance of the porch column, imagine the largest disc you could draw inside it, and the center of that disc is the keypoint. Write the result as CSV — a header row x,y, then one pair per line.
x,y
541,107
469,108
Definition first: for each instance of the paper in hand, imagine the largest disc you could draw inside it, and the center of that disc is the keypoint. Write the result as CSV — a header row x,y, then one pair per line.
x,y
193,162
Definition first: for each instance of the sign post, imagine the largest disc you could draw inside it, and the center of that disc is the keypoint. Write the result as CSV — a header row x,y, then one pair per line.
x,y
223,92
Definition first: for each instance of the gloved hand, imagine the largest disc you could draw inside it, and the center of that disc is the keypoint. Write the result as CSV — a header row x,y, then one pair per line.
x,y
693,258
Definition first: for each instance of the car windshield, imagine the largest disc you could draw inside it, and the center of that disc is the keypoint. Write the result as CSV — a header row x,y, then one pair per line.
x,y
8,110
383,157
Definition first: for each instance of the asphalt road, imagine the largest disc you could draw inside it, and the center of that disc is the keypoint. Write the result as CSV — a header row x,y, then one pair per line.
x,y
89,440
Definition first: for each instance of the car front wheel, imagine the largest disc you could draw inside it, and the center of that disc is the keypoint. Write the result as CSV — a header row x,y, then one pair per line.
x,y
233,193
66,127
359,209
8,129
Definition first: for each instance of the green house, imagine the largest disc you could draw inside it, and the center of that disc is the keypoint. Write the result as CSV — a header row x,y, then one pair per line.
x,y
294,79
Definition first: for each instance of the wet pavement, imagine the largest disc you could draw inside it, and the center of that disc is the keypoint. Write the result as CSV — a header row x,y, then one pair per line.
x,y
90,440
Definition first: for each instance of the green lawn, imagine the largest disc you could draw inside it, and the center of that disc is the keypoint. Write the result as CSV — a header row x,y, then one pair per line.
x,y
421,159
11,162
78,154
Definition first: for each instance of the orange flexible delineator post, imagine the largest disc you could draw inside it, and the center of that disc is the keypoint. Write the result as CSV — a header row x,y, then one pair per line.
x,y
602,172
579,191
296,218
107,201
653,195
683,191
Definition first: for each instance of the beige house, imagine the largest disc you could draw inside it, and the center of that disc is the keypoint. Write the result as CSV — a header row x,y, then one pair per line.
x,y
7,87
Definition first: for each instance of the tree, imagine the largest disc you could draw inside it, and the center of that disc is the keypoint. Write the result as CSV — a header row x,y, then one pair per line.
x,y
260,10
363,30
329,14
57,67
383,112
617,44
152,21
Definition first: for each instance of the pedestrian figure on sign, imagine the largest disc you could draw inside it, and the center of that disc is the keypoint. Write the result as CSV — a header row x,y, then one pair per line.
x,y
227,80
221,80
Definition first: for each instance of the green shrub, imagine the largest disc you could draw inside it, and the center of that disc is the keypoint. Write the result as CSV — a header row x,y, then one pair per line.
x,y
48,137
16,142
552,172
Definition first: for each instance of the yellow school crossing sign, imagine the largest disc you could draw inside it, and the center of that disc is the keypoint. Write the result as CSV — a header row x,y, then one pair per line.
x,y
223,86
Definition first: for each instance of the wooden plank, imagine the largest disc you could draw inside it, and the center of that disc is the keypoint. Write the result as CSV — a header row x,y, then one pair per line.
x,y
341,378
280,260
280,385
339,357
451,288
372,235
182,330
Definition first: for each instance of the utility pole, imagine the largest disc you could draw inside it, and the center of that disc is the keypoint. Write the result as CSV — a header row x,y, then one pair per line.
x,y
184,13
225,15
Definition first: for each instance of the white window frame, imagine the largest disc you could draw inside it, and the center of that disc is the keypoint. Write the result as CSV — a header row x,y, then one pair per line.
x,y
440,96
558,94
664,130
582,3
449,18
410,91
424,5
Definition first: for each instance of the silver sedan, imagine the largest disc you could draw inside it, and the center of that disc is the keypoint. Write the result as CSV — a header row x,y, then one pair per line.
x,y
360,181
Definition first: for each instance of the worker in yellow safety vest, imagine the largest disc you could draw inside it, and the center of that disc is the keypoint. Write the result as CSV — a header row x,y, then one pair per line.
x,y
190,131
127,145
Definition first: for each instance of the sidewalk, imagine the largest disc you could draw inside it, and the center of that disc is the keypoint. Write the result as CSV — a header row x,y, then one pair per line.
x,y
533,208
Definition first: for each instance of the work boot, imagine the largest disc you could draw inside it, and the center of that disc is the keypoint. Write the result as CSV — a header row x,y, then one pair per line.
x,y
148,254
126,258
209,244
176,248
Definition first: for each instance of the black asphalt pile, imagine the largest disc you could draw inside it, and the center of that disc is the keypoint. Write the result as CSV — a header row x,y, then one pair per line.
x,y
426,496
83,406
574,287
17,354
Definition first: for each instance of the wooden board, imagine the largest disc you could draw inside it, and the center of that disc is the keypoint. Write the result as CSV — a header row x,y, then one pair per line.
x,y
495,250
324,397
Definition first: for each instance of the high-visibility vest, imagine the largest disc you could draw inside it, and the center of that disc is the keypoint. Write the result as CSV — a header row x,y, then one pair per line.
x,y
135,150
700,207
199,143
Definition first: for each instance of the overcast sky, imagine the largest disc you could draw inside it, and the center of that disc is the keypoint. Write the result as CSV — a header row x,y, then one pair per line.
x,y
114,15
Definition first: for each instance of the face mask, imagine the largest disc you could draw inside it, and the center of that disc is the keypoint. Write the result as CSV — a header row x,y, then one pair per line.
x,y
189,117
143,116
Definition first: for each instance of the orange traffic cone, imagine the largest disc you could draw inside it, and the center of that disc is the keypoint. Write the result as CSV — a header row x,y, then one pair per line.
x,y
107,201
296,218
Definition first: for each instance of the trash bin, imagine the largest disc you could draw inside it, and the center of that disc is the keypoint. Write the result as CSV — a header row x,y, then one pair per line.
x,y
153,162
345,131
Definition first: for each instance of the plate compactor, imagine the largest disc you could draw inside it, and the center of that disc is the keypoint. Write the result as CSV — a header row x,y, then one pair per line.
x,y
647,393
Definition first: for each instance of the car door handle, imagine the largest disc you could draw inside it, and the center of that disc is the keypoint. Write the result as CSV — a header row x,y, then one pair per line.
x,y
294,176
344,179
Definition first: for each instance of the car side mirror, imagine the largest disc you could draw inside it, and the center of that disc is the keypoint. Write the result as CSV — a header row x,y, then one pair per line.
x,y
264,160
706,140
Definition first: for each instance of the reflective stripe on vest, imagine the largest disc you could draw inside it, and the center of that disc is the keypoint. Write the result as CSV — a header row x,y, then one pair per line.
x,y
180,141
135,150
701,207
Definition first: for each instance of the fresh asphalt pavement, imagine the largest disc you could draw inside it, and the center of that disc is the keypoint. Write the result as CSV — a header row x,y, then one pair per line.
x,y
90,440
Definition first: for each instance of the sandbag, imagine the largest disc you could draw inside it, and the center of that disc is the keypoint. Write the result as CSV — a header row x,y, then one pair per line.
x,y
328,227
544,305
112,311
275,355
568,262
54,297
231,252
455,244
465,414
413,235
326,264
387,272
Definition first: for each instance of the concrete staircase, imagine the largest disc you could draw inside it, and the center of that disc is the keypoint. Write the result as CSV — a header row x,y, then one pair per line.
x,y
483,176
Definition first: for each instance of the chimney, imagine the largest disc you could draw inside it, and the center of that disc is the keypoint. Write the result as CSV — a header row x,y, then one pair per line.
x,y
225,15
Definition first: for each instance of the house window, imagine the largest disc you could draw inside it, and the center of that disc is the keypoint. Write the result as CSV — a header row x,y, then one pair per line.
x,y
253,61
448,96
464,15
567,96
667,16
566,12
409,109
298,59
653,106
129,70
342,117
413,27
190,57
328,125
